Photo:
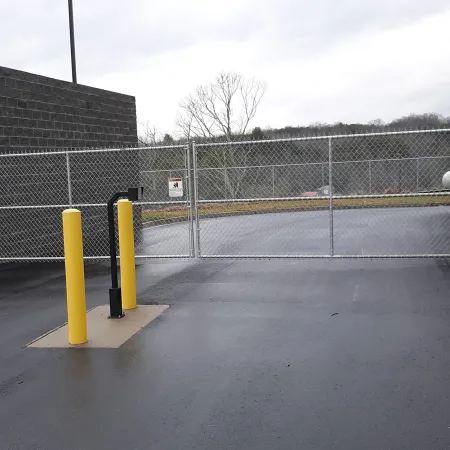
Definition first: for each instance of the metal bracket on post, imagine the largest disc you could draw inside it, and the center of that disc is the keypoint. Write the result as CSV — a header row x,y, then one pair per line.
x,y
115,294
330,182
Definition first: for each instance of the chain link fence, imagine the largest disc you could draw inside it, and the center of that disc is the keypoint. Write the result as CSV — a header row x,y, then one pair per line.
x,y
36,187
378,171
369,195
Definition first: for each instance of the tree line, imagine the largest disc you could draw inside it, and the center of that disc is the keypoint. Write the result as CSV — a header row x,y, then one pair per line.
x,y
224,110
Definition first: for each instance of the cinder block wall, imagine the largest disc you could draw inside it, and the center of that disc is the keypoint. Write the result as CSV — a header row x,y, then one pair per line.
x,y
38,113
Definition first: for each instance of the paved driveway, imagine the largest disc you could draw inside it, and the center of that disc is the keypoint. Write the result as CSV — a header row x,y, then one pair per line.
x,y
250,355
376,231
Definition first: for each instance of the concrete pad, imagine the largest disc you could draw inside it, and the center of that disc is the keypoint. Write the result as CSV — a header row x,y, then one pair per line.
x,y
103,332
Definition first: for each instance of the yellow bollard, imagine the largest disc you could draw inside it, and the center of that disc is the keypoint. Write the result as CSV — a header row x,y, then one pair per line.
x,y
76,295
126,249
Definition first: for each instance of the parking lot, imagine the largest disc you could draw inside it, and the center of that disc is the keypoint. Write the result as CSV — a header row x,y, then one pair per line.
x,y
356,232
311,354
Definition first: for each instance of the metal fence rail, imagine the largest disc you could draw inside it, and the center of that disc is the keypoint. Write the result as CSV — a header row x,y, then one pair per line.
x,y
367,196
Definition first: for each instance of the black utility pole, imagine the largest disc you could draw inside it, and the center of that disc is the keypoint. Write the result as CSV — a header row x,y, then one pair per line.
x,y
72,43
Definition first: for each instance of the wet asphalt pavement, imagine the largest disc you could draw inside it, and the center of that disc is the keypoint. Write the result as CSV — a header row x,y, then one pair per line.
x,y
281,354
376,231
250,355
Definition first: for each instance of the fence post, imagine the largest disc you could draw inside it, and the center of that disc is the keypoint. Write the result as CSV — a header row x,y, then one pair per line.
x,y
197,252
190,191
330,183
370,176
74,267
69,180
126,249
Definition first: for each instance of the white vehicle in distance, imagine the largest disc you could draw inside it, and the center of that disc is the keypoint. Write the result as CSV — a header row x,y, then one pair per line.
x,y
446,180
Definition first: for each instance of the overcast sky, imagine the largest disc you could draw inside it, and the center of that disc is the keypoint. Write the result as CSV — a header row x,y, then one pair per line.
x,y
323,60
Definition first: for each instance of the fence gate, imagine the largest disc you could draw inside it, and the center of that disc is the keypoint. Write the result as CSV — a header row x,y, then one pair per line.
x,y
373,195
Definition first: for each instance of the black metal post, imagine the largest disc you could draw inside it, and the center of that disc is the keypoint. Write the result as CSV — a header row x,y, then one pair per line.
x,y
72,43
115,294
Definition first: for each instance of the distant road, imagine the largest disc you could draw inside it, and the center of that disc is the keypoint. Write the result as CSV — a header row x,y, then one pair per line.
x,y
377,231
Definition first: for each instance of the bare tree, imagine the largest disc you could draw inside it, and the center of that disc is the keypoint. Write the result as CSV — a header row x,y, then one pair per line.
x,y
147,134
225,107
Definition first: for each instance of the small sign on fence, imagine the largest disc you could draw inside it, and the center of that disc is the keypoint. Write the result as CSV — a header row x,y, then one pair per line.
x,y
175,187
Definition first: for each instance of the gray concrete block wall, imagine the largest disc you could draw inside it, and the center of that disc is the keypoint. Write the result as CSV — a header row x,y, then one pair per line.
x,y
38,113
